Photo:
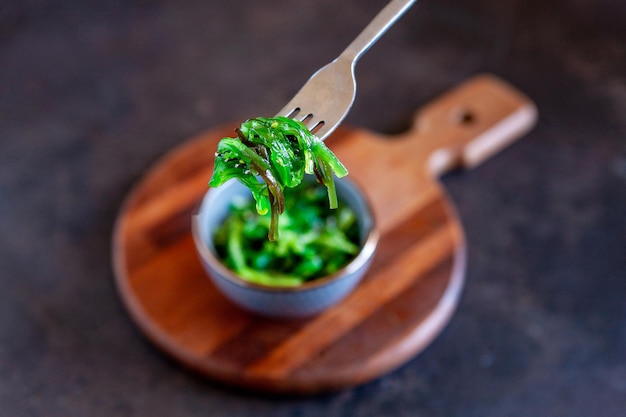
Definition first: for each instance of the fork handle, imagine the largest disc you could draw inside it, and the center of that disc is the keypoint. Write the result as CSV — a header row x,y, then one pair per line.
x,y
375,29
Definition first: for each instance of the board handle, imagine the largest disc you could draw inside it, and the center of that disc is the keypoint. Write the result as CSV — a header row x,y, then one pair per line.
x,y
471,123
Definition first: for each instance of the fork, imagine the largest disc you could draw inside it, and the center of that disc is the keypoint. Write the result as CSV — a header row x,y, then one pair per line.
x,y
326,98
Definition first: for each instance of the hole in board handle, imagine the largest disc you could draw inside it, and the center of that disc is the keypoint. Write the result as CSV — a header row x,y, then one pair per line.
x,y
463,116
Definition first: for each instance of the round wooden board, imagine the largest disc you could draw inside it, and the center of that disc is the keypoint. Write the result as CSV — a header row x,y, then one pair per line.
x,y
403,303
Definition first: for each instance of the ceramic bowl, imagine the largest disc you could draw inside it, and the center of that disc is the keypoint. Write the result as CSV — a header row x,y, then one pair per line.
x,y
305,300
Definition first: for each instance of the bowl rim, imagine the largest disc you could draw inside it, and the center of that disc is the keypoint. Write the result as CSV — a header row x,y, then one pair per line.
x,y
365,254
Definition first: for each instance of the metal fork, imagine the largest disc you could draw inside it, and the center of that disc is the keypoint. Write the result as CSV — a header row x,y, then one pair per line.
x,y
326,98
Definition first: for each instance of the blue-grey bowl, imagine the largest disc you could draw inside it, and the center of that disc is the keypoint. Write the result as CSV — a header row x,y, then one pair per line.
x,y
302,301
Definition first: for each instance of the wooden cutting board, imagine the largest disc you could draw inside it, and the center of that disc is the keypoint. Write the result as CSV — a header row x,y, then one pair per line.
x,y
403,303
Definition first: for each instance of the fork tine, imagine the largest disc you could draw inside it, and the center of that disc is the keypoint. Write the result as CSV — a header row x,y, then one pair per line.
x,y
317,126
307,118
310,121
291,114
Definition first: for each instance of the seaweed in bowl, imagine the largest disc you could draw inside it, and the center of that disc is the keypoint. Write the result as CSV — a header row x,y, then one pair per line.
x,y
315,240
280,299
310,258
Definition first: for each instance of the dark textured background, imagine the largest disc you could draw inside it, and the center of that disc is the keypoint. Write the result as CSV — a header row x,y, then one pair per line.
x,y
92,92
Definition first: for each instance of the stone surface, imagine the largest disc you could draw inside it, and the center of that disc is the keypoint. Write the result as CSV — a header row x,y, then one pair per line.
x,y
93,92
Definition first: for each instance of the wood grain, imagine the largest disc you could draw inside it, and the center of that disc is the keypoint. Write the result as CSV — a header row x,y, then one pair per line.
x,y
403,303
